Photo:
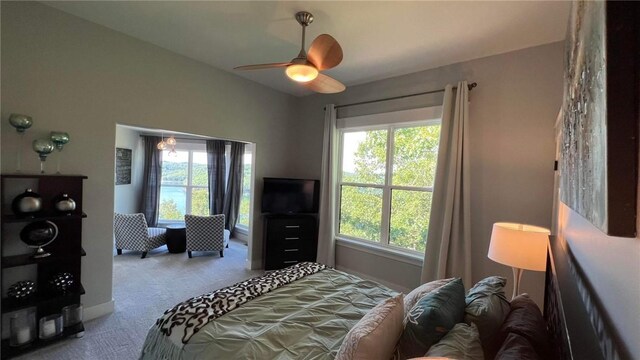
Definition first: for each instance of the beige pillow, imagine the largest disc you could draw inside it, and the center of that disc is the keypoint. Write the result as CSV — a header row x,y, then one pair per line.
x,y
376,334
418,293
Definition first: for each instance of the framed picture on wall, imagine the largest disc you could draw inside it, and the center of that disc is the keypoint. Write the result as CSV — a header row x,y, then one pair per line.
x,y
600,115
123,166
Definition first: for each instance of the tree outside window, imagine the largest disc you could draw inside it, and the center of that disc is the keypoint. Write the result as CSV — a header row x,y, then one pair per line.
x,y
386,184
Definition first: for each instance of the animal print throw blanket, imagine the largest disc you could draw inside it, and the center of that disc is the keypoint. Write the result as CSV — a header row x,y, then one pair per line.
x,y
181,322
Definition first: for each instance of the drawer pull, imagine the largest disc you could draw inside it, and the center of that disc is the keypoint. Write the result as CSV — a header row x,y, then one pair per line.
x,y
292,226
287,250
290,262
292,238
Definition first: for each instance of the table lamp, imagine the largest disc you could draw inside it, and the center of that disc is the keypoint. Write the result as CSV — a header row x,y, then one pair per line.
x,y
523,247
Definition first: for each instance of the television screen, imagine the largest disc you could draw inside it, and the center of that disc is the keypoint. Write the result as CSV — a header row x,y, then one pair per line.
x,y
290,196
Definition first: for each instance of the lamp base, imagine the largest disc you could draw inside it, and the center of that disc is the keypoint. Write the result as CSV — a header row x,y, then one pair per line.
x,y
517,275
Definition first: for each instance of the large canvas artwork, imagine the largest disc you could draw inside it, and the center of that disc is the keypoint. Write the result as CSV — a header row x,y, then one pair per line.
x,y
599,154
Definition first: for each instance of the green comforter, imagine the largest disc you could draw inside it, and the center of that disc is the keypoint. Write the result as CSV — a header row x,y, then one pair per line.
x,y
307,319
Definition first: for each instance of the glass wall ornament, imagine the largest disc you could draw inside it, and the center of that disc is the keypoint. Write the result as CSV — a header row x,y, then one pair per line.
x,y
43,147
60,139
21,123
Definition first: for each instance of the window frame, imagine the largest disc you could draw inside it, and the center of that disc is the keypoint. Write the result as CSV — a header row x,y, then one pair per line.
x,y
190,147
387,187
248,150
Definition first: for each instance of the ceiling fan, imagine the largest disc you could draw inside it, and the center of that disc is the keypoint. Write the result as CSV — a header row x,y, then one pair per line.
x,y
324,53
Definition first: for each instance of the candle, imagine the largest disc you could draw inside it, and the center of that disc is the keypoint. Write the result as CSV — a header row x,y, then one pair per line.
x,y
23,335
48,329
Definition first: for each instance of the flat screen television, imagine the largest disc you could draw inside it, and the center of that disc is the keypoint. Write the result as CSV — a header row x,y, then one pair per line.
x,y
290,196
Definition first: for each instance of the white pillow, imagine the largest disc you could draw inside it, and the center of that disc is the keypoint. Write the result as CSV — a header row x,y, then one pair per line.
x,y
376,334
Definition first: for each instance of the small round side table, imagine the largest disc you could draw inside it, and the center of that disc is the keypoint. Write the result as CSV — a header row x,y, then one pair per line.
x,y
176,238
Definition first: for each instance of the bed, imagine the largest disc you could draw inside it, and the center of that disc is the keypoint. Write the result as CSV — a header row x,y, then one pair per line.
x,y
305,312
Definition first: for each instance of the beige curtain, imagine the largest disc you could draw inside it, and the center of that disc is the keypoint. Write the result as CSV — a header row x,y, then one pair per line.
x,y
448,250
328,180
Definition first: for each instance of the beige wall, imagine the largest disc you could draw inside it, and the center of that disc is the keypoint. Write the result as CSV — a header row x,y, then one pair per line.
x,y
512,114
73,75
612,266
76,76
127,196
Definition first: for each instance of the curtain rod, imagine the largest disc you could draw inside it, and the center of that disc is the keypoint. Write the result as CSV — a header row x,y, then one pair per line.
x,y
182,138
470,86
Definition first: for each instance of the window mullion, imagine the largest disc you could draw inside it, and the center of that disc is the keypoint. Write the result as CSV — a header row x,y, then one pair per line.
x,y
386,192
189,181
338,185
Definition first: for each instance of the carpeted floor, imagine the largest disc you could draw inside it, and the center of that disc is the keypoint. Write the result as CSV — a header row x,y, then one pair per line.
x,y
143,289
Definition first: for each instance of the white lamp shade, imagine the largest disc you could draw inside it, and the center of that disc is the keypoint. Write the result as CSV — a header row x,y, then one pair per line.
x,y
519,246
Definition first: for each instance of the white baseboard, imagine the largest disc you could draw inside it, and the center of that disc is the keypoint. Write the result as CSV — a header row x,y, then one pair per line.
x,y
96,311
388,284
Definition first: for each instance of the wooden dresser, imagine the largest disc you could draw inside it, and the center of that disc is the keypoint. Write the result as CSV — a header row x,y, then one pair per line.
x,y
289,239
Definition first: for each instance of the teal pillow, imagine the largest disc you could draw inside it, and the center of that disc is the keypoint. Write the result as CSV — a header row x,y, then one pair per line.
x,y
431,318
462,342
487,307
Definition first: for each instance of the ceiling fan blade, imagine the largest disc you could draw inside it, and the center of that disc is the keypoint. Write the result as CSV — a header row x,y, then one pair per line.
x,y
325,52
325,84
262,66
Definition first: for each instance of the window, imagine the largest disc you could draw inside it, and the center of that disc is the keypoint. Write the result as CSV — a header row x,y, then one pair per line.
x,y
385,183
245,200
184,188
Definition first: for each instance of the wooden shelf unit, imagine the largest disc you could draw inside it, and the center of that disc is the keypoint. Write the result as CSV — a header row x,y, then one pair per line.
x,y
66,252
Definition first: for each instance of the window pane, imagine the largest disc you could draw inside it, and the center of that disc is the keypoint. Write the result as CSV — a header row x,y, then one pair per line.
x,y
200,201
175,168
415,155
199,175
361,212
409,218
173,202
245,200
364,157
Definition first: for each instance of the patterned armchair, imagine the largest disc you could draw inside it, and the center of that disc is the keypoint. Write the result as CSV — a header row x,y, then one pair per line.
x,y
132,233
206,233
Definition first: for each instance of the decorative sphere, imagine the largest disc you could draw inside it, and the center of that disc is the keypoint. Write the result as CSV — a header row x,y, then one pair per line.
x,y
39,233
61,282
43,147
26,203
65,204
59,138
22,289
20,122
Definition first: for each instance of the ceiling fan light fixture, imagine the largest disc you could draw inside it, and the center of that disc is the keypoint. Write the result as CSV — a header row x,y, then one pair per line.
x,y
301,73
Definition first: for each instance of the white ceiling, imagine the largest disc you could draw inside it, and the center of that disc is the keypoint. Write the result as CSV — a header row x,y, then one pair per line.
x,y
380,39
